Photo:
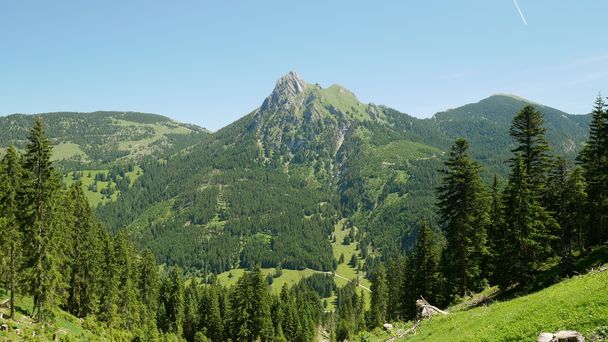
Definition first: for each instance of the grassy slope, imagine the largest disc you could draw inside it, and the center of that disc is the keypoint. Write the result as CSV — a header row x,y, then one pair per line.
x,y
289,277
67,150
65,325
579,303
143,146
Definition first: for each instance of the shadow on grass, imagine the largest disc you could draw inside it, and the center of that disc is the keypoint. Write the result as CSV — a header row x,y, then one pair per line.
x,y
558,272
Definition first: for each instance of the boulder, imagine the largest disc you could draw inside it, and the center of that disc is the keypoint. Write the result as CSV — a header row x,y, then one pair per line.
x,y
561,336
388,326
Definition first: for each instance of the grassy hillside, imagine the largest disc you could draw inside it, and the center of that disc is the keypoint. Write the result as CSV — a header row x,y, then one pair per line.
x,y
66,327
578,303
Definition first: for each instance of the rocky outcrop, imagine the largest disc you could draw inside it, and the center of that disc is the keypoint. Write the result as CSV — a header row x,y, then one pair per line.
x,y
285,93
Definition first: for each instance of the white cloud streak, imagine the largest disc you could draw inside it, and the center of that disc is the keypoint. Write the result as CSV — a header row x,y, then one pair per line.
x,y
521,14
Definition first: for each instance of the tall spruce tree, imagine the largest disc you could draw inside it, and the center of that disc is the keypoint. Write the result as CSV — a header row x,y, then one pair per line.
x,y
495,228
108,310
566,198
210,314
125,267
395,268
240,323
149,284
42,259
262,327
576,218
426,280
524,243
594,161
172,301
463,210
11,234
86,258
379,298
529,133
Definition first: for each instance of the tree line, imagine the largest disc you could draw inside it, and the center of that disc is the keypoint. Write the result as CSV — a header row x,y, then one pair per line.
x,y
501,234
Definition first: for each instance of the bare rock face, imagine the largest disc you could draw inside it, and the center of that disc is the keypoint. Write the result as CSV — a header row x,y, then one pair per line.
x,y
285,93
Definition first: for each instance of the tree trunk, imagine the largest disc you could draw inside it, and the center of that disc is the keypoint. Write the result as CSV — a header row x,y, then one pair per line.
x,y
12,280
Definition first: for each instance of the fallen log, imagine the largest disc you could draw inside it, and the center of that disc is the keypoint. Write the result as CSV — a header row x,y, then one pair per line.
x,y
426,310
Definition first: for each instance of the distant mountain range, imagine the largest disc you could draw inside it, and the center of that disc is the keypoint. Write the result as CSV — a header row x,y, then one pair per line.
x,y
269,188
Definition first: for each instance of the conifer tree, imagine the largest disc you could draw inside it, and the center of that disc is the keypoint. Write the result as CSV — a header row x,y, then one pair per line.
x,y
567,198
108,310
210,314
42,258
525,242
594,161
288,314
395,267
86,258
528,132
173,302
149,284
464,215
495,228
11,234
260,305
240,325
379,298
128,304
426,278
576,218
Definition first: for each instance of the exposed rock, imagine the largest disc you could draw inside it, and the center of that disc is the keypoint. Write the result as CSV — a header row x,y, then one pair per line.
x,y
561,336
18,331
388,326
4,327
285,93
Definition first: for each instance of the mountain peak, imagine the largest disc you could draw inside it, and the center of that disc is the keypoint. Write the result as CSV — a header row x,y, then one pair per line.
x,y
285,92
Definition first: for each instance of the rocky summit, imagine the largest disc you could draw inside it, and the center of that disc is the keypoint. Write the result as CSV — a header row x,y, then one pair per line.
x,y
285,93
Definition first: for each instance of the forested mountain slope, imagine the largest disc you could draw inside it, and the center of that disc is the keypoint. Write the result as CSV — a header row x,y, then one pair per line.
x,y
102,137
269,188
485,125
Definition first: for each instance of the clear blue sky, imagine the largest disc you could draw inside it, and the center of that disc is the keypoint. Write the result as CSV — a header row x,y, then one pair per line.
x,y
211,62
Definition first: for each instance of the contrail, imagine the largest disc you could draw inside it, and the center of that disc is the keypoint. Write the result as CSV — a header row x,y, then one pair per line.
x,y
521,14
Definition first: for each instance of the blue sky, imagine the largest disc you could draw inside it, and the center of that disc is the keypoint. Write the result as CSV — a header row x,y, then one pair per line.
x,y
211,62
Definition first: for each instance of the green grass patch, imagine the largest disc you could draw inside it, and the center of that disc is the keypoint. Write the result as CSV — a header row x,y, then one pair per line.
x,y
289,277
66,151
579,303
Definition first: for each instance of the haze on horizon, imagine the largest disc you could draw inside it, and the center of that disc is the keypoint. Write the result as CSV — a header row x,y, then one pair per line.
x,y
210,63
